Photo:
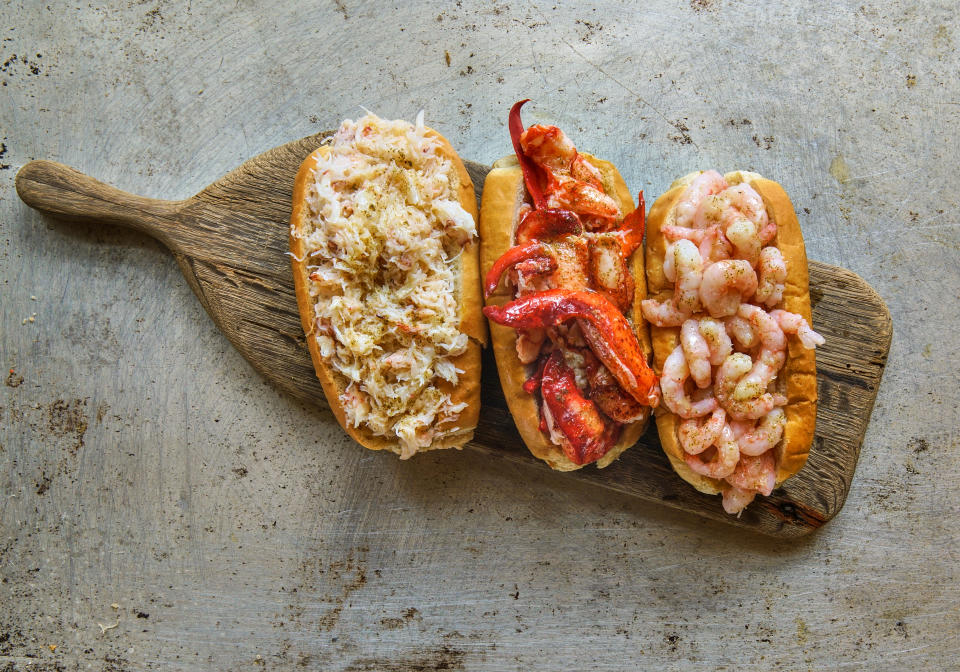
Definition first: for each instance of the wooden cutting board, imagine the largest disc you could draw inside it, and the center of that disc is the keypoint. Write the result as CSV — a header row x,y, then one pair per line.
x,y
230,241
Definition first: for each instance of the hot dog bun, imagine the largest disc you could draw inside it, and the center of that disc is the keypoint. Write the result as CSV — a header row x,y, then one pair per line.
x,y
452,433
503,193
798,377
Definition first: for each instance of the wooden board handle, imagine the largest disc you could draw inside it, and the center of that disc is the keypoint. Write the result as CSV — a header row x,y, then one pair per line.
x,y
66,193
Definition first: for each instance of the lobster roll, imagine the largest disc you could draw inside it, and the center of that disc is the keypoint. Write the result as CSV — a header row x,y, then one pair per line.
x,y
563,281
730,319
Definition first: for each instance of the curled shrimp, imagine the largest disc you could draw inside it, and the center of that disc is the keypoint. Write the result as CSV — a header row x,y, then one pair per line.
x,y
736,500
765,435
725,285
669,270
662,313
696,436
715,246
718,341
689,272
745,198
686,268
711,242
705,184
725,462
697,353
743,234
741,331
674,233
741,427
672,380
770,359
791,323
735,367
739,213
755,473
773,274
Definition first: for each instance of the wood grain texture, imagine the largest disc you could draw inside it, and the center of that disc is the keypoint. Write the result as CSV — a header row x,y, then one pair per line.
x,y
230,240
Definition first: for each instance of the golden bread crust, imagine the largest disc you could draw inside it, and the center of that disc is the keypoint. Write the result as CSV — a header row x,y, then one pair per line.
x,y
798,375
472,321
503,193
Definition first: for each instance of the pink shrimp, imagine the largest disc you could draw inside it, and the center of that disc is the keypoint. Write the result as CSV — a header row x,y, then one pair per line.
x,y
725,462
736,500
741,331
791,323
669,270
745,198
714,246
674,233
725,285
707,183
746,241
770,359
773,274
741,427
735,367
687,269
697,353
662,313
672,380
718,342
765,435
755,473
696,436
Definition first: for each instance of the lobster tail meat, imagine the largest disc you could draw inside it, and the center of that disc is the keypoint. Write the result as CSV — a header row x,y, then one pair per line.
x,y
607,331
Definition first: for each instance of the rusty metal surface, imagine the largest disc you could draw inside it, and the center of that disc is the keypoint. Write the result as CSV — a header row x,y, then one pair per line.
x,y
151,480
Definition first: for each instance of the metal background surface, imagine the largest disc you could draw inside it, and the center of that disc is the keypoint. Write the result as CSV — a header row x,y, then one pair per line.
x,y
144,464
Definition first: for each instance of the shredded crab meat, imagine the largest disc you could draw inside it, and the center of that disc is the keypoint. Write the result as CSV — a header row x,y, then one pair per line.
x,y
383,233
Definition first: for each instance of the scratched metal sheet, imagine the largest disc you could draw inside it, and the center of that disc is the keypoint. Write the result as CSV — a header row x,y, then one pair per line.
x,y
164,508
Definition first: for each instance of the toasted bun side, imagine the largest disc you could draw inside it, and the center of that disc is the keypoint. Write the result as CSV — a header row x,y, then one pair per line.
x,y
799,374
503,194
797,379
472,321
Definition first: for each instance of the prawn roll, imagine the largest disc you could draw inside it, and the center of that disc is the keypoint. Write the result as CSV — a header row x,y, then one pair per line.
x,y
732,336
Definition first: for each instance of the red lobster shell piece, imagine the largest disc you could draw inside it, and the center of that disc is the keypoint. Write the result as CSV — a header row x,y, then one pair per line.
x,y
609,334
547,224
632,228
589,436
512,257
531,172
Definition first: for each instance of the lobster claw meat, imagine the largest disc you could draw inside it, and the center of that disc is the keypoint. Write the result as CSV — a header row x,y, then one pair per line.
x,y
531,250
610,398
607,331
547,224
589,436
531,172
